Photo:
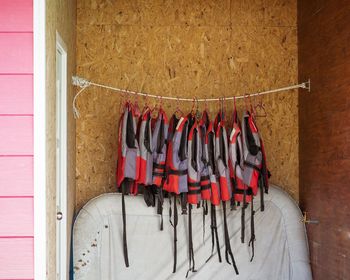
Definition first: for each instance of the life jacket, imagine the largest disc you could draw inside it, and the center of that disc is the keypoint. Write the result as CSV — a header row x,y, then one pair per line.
x,y
221,159
177,161
194,165
252,155
160,134
128,165
209,159
241,193
146,149
205,178
128,149
222,169
176,171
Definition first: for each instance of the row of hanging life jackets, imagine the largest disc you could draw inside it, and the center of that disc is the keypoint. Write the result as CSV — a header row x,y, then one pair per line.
x,y
196,160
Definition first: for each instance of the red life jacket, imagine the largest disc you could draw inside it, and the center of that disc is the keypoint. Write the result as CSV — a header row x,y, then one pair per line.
x,y
205,178
210,158
222,169
236,162
160,134
221,159
252,155
146,149
128,165
177,162
194,164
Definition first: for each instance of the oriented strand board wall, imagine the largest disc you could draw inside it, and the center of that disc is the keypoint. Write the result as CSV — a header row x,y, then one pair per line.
x,y
184,48
60,16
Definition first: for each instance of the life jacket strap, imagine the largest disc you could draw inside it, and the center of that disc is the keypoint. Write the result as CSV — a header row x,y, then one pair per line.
x,y
194,184
214,234
228,251
205,178
125,243
158,166
191,262
205,213
248,191
205,187
194,192
177,172
158,174
183,200
252,237
247,163
160,206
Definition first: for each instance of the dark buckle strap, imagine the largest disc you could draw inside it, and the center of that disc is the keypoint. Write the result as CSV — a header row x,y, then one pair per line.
x,y
246,163
205,178
158,174
177,172
228,250
248,191
193,192
205,187
125,243
194,184
159,166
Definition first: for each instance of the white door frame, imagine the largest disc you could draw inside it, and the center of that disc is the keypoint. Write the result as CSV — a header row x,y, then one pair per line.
x,y
39,79
61,161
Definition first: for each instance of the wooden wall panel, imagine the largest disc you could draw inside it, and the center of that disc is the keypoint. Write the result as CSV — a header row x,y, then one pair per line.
x,y
16,94
16,134
16,16
16,176
16,53
16,216
61,18
16,258
325,133
185,48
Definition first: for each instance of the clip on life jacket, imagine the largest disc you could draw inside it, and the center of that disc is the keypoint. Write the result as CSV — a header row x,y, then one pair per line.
x,y
160,134
222,168
128,162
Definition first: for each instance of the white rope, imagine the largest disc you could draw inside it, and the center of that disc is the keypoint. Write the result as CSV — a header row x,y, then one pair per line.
x,y
83,84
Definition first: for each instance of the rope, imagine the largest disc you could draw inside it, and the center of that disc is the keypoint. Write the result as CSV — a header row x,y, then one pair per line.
x,y
83,84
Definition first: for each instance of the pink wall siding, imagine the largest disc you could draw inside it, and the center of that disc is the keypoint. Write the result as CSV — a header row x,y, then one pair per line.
x,y
16,144
16,176
16,94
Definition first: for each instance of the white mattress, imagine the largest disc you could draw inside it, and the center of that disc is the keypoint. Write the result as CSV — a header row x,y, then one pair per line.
x,y
281,249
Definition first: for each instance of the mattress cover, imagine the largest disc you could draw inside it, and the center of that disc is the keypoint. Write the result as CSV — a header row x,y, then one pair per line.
x,y
281,249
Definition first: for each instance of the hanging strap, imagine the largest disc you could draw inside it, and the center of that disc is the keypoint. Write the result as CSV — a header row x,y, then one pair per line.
x,y
228,251
261,187
214,234
205,213
160,199
252,237
244,205
125,245
175,234
191,263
